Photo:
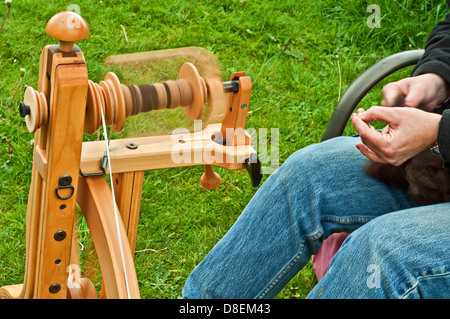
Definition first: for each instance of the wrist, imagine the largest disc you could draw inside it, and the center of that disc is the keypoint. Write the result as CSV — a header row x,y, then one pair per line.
x,y
441,86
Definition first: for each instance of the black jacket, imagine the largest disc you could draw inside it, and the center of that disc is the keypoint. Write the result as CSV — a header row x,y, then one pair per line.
x,y
436,59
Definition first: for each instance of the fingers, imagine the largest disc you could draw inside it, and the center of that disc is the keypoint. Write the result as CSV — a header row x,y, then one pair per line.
x,y
369,136
394,93
377,113
425,91
415,97
373,141
402,93
401,139
367,152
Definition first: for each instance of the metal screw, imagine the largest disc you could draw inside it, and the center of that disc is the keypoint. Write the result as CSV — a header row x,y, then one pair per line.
x,y
131,145
243,106
54,288
60,235
65,180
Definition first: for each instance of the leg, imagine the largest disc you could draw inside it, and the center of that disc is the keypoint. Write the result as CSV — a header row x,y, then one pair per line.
x,y
405,254
319,190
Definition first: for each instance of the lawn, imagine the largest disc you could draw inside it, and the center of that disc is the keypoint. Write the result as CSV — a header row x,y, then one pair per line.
x,y
301,55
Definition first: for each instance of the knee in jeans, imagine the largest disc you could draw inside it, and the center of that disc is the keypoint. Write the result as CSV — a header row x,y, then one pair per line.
x,y
382,241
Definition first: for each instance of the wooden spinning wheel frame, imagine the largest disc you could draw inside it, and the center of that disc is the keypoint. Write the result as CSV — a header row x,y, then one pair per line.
x,y
68,172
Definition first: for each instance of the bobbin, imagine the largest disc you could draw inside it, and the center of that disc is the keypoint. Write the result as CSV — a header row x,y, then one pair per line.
x,y
120,101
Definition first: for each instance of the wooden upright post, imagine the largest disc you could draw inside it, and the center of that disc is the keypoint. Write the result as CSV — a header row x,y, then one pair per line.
x,y
63,80
233,124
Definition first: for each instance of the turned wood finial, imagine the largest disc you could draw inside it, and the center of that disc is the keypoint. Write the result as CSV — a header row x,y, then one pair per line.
x,y
210,180
67,27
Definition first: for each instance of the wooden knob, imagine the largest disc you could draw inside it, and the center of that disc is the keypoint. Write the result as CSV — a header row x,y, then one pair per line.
x,y
67,27
210,180
34,109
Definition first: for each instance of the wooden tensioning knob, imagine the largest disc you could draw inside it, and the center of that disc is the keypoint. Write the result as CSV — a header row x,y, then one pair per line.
x,y
210,180
67,27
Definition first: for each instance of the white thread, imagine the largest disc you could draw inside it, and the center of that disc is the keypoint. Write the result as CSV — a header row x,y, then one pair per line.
x,y
116,214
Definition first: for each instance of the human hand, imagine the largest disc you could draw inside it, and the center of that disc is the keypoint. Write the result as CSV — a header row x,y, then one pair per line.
x,y
408,132
425,91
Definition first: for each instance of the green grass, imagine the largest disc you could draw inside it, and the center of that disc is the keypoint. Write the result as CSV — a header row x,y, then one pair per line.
x,y
288,48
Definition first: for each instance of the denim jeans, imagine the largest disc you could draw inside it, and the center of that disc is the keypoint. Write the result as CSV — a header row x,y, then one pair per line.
x,y
396,249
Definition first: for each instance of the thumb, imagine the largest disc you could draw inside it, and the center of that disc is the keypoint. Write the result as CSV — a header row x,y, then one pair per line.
x,y
394,93
414,97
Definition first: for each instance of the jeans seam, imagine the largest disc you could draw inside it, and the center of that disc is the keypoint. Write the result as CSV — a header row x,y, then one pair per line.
x,y
290,264
347,220
416,284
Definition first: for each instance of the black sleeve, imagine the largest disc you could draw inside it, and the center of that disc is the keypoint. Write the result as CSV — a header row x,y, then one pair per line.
x,y
436,58
444,138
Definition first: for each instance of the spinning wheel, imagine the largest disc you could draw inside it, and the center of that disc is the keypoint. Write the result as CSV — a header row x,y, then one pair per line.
x,y
69,172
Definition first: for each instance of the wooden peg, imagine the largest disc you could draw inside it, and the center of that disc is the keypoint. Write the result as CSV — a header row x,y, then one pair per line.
x,y
210,180
67,27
